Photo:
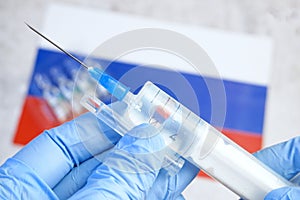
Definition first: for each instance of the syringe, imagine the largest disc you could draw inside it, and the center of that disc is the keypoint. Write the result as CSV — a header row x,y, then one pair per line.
x,y
194,139
186,135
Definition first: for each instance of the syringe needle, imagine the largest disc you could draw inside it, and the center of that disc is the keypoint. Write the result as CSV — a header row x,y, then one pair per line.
x,y
116,88
67,53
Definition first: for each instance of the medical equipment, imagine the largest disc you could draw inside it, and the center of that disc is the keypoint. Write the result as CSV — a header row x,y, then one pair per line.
x,y
186,135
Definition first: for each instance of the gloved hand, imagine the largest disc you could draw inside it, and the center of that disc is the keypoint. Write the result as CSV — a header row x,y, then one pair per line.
x,y
60,163
283,158
164,186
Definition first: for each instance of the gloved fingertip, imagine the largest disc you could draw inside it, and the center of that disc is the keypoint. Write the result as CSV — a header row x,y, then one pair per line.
x,y
144,130
285,193
142,139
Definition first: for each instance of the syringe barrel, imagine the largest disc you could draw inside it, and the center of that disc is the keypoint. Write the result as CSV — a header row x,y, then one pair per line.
x,y
206,147
234,167
189,136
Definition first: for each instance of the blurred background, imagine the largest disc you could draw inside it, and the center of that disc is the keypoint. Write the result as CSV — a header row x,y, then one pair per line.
x,y
276,19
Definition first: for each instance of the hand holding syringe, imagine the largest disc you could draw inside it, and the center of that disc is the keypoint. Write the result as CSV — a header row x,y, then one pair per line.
x,y
185,133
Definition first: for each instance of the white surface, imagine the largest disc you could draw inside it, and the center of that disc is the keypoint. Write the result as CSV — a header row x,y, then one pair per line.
x,y
275,18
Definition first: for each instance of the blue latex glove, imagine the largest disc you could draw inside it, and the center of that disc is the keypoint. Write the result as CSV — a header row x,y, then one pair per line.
x,y
130,169
40,165
164,186
283,158
48,167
